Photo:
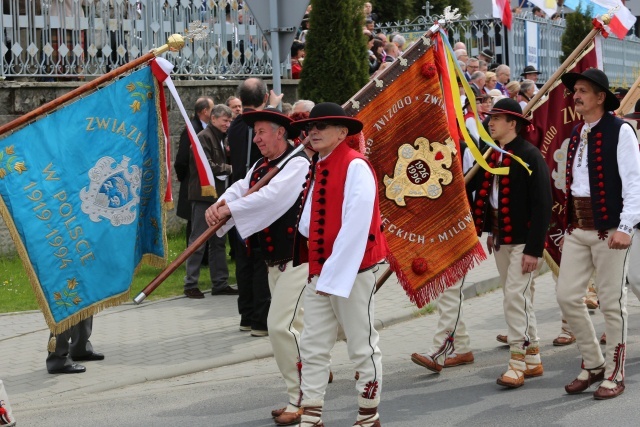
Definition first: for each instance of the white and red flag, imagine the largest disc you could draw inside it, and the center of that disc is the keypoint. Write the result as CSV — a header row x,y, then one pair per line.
x,y
502,11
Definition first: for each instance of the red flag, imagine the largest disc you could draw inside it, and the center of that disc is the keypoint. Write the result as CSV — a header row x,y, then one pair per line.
x,y
553,120
502,11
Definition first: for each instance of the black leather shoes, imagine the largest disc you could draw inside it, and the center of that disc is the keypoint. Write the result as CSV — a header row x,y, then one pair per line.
x,y
226,291
88,357
74,368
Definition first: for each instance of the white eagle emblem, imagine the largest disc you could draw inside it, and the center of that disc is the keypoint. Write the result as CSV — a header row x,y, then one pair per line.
x,y
113,192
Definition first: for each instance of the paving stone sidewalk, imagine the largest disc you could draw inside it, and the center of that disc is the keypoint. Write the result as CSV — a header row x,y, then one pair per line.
x,y
165,338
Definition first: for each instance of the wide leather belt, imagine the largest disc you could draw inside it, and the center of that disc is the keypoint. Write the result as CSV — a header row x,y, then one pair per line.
x,y
582,213
494,221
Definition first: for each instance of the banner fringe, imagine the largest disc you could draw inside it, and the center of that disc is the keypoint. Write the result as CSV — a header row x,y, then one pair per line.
x,y
208,190
431,289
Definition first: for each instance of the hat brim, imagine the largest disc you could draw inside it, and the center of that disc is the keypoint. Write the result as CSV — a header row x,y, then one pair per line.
x,y
530,72
251,117
632,116
611,102
515,115
353,125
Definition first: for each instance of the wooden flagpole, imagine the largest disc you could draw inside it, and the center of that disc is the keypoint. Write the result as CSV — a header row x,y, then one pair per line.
x,y
209,232
545,88
174,42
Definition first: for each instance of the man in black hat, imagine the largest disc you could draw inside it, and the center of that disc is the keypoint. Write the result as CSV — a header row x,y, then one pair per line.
x,y
486,55
253,217
516,210
602,208
339,234
530,73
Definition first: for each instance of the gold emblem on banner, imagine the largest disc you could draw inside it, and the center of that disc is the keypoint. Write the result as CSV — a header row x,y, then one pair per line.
x,y
421,170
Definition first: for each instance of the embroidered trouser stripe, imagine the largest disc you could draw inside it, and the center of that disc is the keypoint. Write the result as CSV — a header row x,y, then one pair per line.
x,y
583,252
285,322
518,297
451,325
321,318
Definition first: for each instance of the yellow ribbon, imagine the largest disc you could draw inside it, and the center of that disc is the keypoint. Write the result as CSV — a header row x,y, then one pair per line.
x,y
477,155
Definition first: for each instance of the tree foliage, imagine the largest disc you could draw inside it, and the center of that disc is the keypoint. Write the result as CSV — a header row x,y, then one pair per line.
x,y
335,64
578,25
391,11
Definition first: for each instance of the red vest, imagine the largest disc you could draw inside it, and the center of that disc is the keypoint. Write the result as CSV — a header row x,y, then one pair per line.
x,y
326,212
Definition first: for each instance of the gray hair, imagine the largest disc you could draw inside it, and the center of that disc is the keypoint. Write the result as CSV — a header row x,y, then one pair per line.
x,y
477,75
276,126
305,104
399,40
527,84
470,60
221,110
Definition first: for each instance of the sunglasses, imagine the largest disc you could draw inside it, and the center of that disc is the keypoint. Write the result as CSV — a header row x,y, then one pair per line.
x,y
318,125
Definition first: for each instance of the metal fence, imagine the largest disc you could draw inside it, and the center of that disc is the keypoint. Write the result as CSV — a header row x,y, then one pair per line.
x,y
52,38
537,37
43,39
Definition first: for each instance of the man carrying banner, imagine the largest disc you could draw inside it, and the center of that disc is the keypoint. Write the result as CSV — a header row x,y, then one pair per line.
x,y
340,236
253,217
602,208
516,210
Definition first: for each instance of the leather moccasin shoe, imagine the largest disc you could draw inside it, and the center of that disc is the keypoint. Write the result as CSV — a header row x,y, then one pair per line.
x,y
565,338
88,357
456,359
277,412
194,293
287,418
74,368
578,385
427,362
603,393
504,339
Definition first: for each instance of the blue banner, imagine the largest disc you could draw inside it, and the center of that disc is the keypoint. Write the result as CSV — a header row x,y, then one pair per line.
x,y
81,191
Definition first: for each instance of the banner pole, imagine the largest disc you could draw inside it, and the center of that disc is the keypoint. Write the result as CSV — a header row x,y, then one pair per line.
x,y
175,42
543,90
164,274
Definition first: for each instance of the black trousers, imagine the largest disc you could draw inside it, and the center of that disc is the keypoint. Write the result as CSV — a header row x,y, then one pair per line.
x,y
254,297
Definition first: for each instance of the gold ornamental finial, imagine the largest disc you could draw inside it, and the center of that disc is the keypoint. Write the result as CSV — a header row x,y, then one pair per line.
x,y
606,18
196,31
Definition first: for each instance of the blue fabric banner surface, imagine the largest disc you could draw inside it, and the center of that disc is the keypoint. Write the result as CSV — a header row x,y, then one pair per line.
x,y
81,191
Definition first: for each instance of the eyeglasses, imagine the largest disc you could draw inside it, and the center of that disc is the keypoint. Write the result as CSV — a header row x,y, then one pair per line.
x,y
318,125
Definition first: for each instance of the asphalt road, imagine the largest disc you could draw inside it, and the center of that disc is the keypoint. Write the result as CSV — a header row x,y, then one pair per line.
x,y
244,394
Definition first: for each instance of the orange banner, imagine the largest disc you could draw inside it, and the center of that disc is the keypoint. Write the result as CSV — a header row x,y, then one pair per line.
x,y
426,216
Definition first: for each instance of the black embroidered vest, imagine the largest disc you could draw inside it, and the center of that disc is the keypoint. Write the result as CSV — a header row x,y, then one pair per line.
x,y
605,184
276,241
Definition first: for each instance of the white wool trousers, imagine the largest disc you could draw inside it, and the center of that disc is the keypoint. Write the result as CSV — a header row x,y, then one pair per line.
x,y
450,324
355,314
518,289
584,251
285,322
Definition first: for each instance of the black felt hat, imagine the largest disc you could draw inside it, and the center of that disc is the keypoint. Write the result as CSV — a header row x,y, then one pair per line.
x,y
333,113
488,53
636,112
597,77
510,107
530,69
273,116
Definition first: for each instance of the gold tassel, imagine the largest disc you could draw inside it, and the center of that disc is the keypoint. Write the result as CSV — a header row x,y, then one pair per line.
x,y
209,190
51,346
168,205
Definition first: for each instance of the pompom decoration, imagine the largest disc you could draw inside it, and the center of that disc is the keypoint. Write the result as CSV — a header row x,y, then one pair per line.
x,y
428,70
419,265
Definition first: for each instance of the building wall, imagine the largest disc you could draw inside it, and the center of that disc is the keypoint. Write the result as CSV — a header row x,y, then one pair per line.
x,y
18,98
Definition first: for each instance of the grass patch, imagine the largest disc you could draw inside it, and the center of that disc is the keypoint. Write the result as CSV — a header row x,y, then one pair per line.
x,y
427,309
16,293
